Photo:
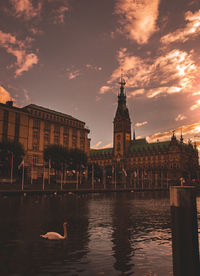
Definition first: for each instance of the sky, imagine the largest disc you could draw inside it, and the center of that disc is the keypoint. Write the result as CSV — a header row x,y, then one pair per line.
x,y
68,55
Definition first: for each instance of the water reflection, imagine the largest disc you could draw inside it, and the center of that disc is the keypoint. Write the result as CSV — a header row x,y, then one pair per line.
x,y
110,234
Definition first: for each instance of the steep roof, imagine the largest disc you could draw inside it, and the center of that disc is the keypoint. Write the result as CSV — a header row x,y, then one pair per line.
x,y
102,152
142,144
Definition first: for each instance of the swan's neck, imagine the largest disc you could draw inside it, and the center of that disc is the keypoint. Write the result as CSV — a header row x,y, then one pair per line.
x,y
65,231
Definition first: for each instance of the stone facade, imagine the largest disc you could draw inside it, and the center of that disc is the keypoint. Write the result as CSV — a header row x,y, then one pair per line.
x,y
36,127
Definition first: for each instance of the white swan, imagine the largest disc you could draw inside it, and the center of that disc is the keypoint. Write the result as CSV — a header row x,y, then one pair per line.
x,y
56,236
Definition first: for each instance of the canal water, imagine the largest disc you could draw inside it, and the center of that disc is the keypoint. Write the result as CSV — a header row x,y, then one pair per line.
x,y
108,234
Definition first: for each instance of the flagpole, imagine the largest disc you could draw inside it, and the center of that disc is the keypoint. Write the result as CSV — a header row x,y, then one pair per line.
x,y
77,180
32,172
43,180
92,176
23,177
64,175
11,173
115,177
49,179
61,187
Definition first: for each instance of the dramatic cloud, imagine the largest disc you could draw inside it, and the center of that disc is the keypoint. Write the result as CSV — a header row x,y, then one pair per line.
x,y
24,8
180,117
195,106
4,95
137,18
26,62
141,124
186,130
171,72
20,50
192,29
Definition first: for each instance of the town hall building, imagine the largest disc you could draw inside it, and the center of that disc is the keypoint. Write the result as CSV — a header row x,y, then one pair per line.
x,y
138,164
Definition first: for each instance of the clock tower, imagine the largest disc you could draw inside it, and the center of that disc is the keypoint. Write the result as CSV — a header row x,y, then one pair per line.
x,y
122,124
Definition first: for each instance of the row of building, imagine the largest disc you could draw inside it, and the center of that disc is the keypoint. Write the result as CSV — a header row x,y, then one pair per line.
x,y
143,164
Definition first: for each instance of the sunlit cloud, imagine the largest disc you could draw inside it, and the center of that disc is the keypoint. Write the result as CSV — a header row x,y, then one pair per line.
x,y
96,146
107,146
74,74
4,95
104,89
191,29
137,18
141,124
196,93
171,72
195,106
162,90
180,117
26,62
20,50
188,131
136,92
24,8
60,14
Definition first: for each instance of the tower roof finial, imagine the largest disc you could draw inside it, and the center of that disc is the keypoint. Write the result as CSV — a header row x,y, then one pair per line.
x,y
122,81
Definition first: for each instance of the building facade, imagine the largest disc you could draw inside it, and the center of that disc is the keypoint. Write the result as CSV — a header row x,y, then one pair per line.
x,y
139,164
36,127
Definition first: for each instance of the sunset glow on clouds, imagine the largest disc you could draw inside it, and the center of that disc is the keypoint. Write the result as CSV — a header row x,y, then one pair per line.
x,y
191,29
68,56
19,49
141,124
24,8
4,95
137,18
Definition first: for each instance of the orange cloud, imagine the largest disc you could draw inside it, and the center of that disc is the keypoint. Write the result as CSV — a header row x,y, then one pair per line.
x,y
74,74
191,29
60,14
195,106
180,117
4,95
137,18
189,131
104,89
141,124
19,49
24,8
171,72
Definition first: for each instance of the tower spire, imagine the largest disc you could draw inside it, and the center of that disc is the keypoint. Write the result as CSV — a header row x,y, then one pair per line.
x,y
181,138
122,83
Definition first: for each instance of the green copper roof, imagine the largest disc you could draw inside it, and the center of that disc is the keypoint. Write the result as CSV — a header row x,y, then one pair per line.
x,y
44,109
94,152
142,144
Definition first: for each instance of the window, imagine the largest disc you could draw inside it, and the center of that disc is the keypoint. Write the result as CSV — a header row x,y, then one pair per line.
x,y
35,147
47,126
46,137
66,140
66,130
36,123
35,159
56,128
36,135
56,139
